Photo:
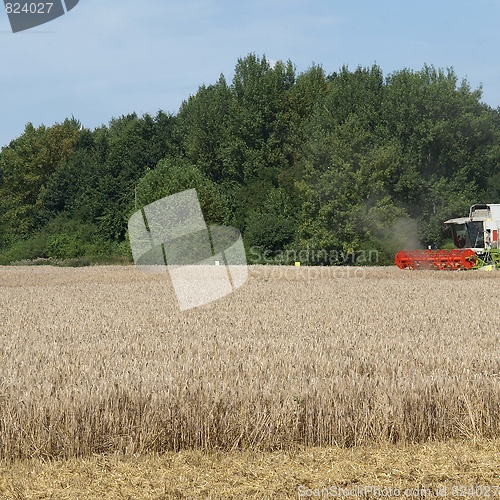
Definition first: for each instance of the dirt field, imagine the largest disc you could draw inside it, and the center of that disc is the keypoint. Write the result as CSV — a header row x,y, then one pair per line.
x,y
301,369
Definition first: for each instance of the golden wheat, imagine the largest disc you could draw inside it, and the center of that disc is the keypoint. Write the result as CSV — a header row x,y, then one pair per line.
x,y
100,360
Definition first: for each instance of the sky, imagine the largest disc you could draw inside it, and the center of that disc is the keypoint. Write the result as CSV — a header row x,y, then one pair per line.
x,y
107,58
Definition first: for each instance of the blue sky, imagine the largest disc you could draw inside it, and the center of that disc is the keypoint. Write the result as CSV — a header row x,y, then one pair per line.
x,y
108,58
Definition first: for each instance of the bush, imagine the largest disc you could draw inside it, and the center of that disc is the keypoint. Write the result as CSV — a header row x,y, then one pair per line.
x,y
33,248
69,243
65,246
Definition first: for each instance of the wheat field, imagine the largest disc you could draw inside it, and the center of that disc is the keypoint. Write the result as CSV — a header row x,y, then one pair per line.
x,y
100,360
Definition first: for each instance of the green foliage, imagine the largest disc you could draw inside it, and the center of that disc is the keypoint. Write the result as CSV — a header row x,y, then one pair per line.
x,y
334,167
68,241
173,176
271,227
63,246
27,164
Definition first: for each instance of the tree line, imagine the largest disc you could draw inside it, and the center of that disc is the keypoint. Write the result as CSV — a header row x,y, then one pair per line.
x,y
332,167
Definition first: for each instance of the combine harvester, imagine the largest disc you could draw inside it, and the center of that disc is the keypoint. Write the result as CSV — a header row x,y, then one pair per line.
x,y
476,244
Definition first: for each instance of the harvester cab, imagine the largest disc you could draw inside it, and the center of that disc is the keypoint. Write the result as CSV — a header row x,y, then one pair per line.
x,y
479,231
476,244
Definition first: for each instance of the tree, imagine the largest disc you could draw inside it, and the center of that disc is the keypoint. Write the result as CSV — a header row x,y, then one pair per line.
x,y
324,164
27,164
271,227
203,125
173,176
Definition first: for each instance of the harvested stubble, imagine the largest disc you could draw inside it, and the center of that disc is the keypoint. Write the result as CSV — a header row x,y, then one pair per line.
x,y
100,360
427,468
